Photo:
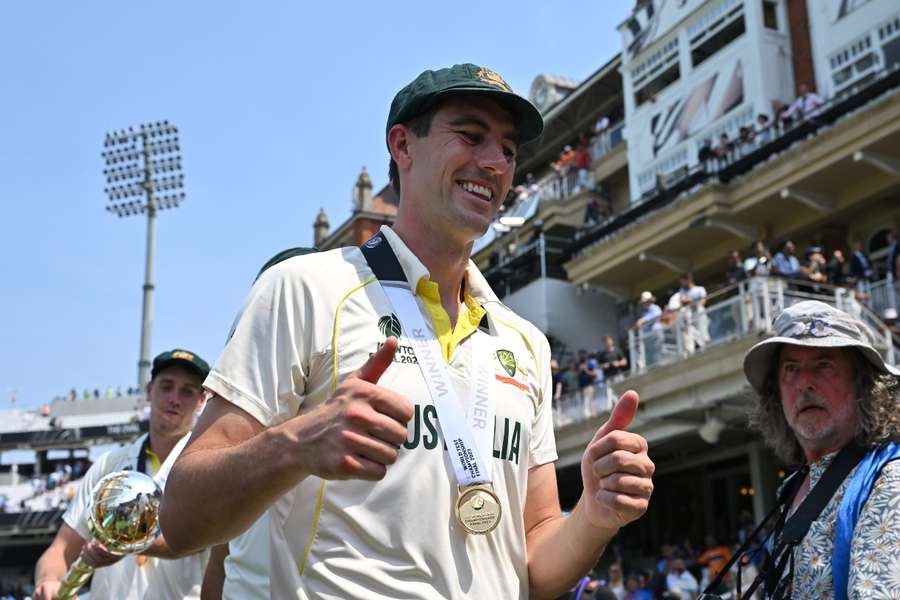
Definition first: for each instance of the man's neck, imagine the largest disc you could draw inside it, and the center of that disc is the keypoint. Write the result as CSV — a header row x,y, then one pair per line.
x,y
161,445
445,259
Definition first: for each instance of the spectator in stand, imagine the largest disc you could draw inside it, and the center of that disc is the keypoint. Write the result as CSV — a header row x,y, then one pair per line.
x,y
893,257
735,273
589,375
601,125
805,106
814,268
890,319
557,380
648,327
570,378
860,265
566,160
723,150
593,211
530,184
582,162
680,584
612,360
835,269
714,557
786,263
763,133
706,157
760,264
690,302
615,581
634,589
744,142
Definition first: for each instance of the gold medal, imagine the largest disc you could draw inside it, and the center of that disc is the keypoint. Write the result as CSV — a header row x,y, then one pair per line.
x,y
478,508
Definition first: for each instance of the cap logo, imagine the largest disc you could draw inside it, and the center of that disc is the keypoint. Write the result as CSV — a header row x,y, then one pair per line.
x,y
374,242
816,328
184,355
492,78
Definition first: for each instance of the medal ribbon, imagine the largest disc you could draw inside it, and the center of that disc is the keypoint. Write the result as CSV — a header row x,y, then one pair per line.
x,y
469,439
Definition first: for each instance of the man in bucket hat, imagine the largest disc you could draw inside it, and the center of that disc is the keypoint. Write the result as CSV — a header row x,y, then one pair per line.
x,y
382,423
827,402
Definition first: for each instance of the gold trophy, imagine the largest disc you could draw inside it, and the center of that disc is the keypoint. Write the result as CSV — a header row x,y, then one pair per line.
x,y
124,517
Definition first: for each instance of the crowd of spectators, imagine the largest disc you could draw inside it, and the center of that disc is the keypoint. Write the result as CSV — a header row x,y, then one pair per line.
x,y
49,491
715,156
680,571
584,375
816,271
16,591
108,394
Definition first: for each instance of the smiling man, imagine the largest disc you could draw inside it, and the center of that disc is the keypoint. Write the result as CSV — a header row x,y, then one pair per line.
x,y
828,402
386,415
175,395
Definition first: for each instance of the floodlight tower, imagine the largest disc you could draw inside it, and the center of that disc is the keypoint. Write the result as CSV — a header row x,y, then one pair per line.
x,y
143,170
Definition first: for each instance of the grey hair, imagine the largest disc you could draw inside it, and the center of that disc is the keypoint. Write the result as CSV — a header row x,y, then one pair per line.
x,y
877,395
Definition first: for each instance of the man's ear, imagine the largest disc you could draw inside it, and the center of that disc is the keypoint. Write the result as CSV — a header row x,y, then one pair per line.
x,y
399,138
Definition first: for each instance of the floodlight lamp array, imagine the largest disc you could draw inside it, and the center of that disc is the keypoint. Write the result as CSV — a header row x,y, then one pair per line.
x,y
162,146
165,184
165,165
131,171
128,190
121,155
126,209
165,201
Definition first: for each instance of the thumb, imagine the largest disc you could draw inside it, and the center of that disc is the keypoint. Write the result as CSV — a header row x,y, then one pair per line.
x,y
378,362
622,414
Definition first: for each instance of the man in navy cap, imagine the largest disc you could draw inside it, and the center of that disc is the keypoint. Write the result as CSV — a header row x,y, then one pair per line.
x,y
382,423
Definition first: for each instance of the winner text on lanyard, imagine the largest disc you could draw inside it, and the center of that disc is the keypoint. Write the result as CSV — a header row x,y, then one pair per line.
x,y
469,439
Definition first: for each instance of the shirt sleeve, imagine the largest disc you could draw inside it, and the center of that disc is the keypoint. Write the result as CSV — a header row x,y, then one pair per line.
x,y
875,549
543,442
263,368
77,513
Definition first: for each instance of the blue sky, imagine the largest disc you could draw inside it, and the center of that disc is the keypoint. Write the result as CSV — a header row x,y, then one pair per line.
x,y
279,105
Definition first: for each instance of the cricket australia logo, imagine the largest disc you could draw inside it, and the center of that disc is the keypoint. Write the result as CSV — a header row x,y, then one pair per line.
x,y
507,361
390,326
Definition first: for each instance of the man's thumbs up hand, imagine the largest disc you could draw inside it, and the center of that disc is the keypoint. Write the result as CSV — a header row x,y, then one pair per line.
x,y
358,431
616,471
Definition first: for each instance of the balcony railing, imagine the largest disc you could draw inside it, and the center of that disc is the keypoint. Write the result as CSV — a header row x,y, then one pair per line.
x,y
583,404
883,294
735,312
735,166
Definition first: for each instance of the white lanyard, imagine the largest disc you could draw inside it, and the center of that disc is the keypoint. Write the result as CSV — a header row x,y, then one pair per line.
x,y
470,441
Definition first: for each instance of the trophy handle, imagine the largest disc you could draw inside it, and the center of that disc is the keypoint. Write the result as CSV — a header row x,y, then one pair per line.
x,y
75,578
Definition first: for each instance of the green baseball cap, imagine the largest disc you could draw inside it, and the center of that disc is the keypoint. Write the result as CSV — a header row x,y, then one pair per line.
x,y
180,357
466,79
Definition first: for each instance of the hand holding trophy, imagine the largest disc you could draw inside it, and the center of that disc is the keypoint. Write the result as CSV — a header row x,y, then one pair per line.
x,y
124,517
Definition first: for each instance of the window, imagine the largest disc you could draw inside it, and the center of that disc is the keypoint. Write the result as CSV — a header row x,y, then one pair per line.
x,y
770,14
655,72
717,35
656,85
718,40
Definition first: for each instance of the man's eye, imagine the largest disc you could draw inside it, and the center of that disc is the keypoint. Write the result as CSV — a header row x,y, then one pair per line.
x,y
509,152
473,138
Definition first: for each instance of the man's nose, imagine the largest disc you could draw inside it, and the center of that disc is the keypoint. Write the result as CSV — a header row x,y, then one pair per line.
x,y
807,379
492,157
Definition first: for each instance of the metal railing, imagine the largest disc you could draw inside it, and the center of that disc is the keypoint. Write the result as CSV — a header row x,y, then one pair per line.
x,y
580,405
883,294
737,311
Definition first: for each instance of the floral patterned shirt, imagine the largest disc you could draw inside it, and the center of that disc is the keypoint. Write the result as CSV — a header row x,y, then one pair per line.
x,y
874,551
